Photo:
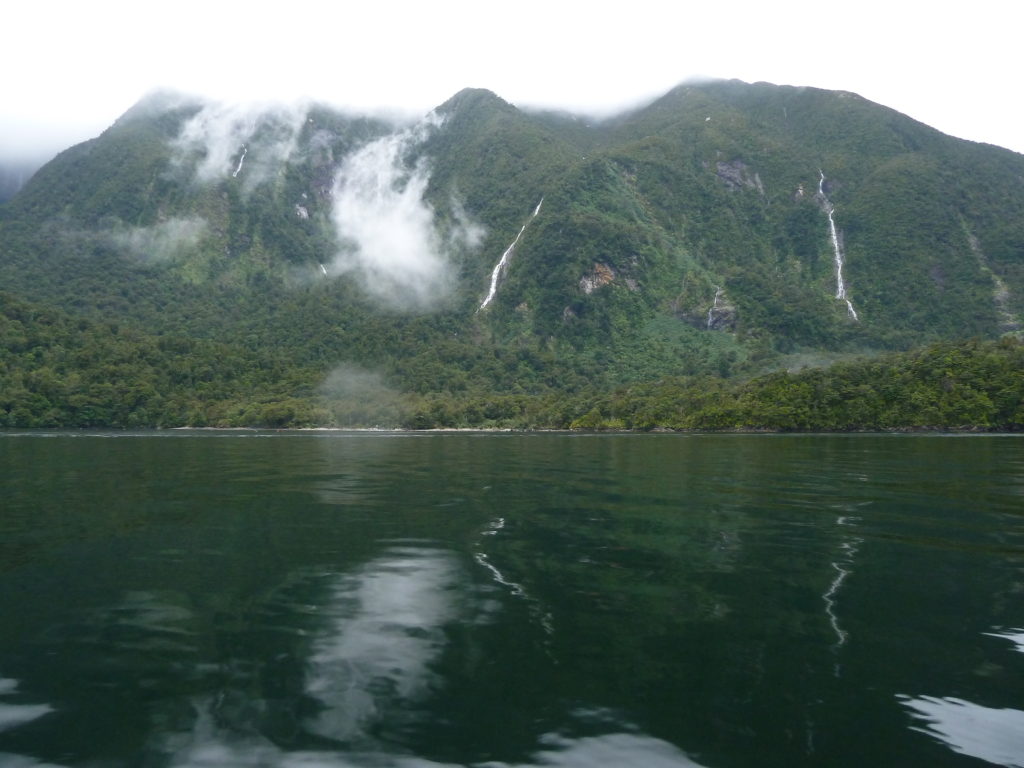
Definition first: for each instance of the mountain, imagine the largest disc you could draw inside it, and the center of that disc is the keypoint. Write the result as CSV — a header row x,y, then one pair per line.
x,y
354,270
13,175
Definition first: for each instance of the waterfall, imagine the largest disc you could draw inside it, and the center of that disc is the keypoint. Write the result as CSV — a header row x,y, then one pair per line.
x,y
240,161
840,285
714,305
323,269
499,268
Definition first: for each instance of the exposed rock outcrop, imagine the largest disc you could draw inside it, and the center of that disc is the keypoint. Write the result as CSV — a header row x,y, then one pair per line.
x,y
737,175
600,276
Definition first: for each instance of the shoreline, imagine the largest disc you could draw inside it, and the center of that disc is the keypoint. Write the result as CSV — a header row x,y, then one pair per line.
x,y
328,431
963,430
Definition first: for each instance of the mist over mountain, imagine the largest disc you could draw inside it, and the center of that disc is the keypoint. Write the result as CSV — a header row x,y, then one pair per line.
x,y
485,255
14,174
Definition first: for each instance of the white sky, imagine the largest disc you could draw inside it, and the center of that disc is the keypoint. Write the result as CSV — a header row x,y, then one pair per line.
x,y
69,69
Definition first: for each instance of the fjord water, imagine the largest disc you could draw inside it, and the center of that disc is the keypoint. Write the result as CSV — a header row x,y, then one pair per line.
x,y
423,600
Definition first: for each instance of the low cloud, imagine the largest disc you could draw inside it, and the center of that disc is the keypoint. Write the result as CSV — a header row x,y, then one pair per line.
x,y
162,241
390,240
465,233
357,397
387,231
249,142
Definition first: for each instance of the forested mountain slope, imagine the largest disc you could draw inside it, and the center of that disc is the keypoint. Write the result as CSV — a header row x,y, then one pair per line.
x,y
487,253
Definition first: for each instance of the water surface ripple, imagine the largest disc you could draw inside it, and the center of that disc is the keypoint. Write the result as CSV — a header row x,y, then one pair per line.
x,y
496,600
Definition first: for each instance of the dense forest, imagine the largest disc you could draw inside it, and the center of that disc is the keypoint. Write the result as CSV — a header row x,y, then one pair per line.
x,y
201,264
59,371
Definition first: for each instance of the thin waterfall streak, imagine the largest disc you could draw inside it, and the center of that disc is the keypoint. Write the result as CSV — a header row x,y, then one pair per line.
x,y
240,161
834,235
714,305
499,268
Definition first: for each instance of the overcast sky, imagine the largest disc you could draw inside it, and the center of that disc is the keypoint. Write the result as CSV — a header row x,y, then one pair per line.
x,y
71,68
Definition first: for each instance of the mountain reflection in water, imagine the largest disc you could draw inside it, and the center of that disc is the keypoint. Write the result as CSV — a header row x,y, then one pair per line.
x,y
611,751
505,601
369,668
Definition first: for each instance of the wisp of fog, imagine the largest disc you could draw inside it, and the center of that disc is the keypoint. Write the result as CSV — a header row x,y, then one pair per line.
x,y
388,239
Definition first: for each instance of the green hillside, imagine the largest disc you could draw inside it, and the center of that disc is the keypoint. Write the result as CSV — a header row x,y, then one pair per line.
x,y
330,268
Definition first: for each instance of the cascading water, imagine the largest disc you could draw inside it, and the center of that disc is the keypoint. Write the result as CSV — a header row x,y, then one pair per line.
x,y
840,285
499,268
240,161
714,305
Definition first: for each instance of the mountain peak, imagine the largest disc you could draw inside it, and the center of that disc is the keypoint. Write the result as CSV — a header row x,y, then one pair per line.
x,y
159,101
473,98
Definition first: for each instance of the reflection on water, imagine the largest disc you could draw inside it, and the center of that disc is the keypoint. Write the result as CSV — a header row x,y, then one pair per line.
x,y
385,626
506,601
353,654
147,623
537,610
610,750
13,715
613,749
1015,636
211,750
843,566
993,735
20,761
369,668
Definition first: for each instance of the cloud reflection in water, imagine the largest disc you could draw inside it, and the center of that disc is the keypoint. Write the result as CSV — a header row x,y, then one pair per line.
x,y
1015,636
605,751
13,715
372,664
993,735
386,628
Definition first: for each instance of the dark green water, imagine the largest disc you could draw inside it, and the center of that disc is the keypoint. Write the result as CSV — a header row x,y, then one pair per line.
x,y
425,600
